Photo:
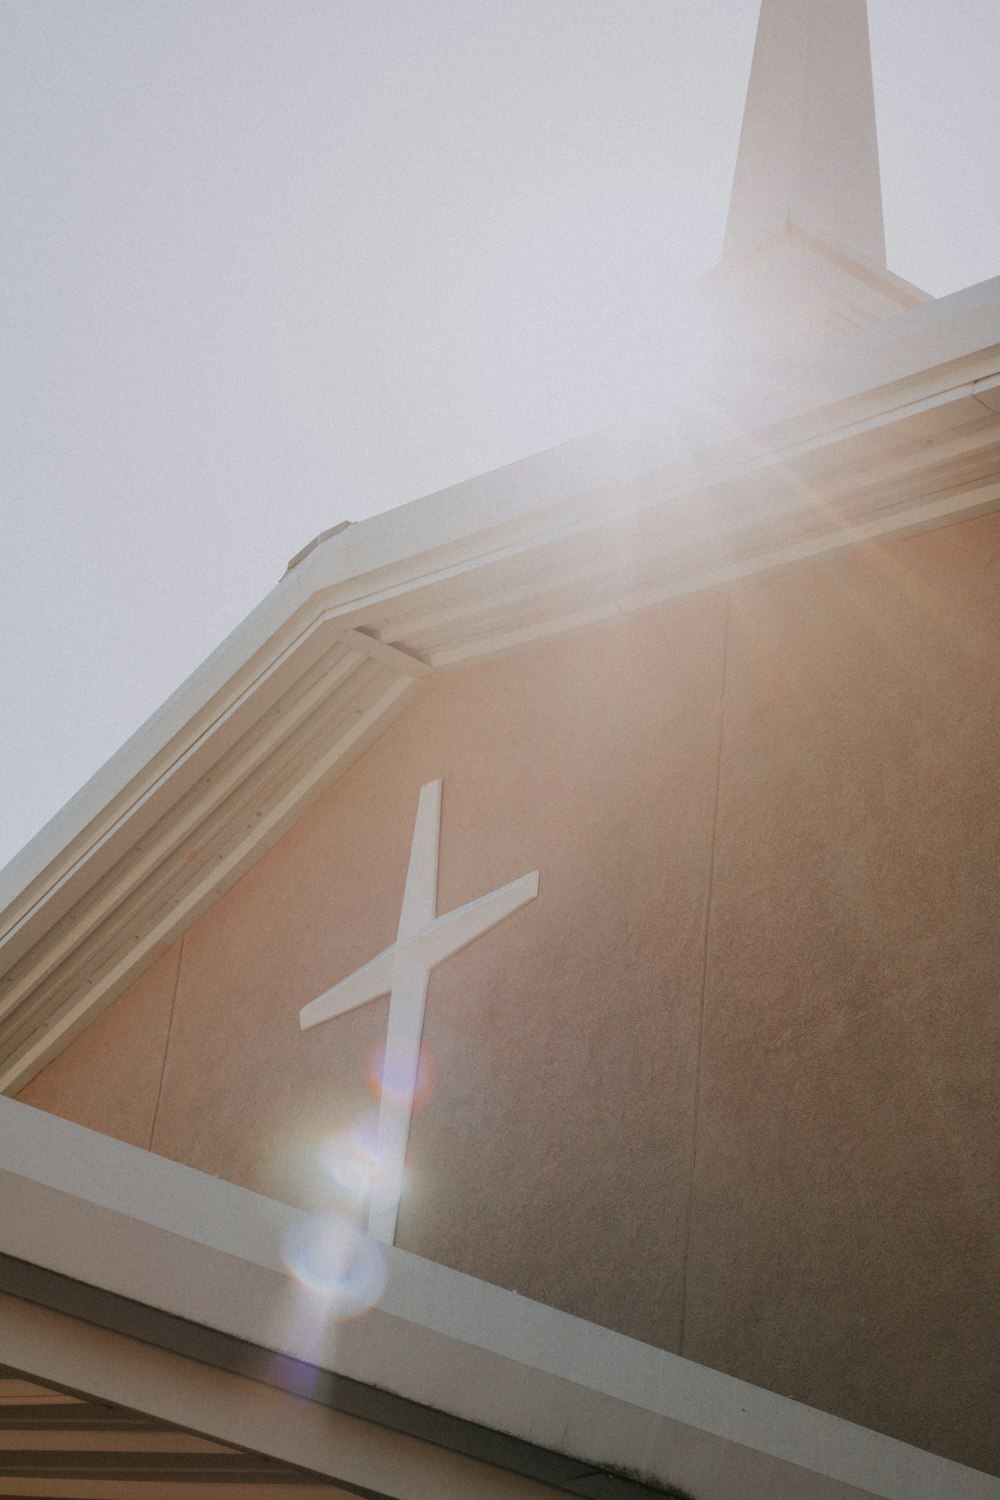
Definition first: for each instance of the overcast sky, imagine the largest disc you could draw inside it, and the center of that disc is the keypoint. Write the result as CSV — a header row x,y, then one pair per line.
x,y
269,266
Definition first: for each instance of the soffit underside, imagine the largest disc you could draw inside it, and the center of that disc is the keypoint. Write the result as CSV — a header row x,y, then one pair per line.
x,y
63,1439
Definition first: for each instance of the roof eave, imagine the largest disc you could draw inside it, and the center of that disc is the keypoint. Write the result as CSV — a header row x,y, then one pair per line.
x,y
162,1252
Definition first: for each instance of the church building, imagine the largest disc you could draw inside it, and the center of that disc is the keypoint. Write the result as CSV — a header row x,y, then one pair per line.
x,y
522,1019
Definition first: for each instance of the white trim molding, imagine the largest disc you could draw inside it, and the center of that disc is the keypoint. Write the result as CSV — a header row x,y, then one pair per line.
x,y
197,1266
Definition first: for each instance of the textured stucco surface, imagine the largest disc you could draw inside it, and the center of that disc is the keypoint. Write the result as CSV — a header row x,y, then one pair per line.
x,y
730,1084
564,1051
109,1078
846,1222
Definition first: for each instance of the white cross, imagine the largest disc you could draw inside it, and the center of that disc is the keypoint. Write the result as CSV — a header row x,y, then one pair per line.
x,y
423,939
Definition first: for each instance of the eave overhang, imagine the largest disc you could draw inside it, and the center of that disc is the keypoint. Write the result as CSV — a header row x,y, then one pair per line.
x,y
894,430
176,1265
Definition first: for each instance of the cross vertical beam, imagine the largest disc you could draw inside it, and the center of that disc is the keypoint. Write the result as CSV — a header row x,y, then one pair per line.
x,y
423,940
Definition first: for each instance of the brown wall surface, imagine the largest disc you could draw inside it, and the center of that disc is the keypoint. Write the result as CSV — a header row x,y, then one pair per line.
x,y
109,1078
846,1222
729,1085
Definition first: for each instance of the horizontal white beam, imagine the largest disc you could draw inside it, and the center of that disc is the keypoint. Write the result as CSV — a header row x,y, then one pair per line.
x,y
244,1413
110,1216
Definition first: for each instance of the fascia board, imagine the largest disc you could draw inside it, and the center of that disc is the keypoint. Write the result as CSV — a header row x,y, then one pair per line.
x,y
82,1356
927,347
259,638
935,352
161,1235
278,628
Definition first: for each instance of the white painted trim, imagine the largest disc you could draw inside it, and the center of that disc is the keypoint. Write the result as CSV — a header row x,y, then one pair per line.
x,y
390,656
154,850
221,874
113,1217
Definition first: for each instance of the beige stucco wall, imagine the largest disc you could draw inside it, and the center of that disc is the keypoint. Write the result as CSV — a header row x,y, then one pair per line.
x,y
729,1084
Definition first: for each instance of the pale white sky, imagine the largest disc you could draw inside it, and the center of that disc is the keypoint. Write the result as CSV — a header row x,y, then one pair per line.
x,y
271,264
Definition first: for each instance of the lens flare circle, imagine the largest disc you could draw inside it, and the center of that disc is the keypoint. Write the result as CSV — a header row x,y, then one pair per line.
x,y
352,1163
385,1082
332,1256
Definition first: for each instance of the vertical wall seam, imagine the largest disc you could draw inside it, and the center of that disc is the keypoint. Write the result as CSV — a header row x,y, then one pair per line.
x,y
706,934
166,1045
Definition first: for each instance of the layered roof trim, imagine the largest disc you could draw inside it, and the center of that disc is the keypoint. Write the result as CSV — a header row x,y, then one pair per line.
x,y
900,432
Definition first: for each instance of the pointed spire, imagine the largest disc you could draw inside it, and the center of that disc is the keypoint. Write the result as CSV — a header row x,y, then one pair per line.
x,y
808,151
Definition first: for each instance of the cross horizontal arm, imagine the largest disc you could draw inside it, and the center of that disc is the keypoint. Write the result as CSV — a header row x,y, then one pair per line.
x,y
370,982
456,929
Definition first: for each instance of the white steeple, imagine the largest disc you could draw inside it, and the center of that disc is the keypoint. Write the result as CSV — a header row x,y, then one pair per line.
x,y
804,254
808,151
